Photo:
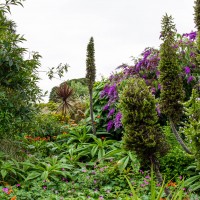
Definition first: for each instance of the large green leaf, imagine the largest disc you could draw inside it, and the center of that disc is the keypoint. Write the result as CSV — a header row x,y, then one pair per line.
x,y
33,175
4,173
44,175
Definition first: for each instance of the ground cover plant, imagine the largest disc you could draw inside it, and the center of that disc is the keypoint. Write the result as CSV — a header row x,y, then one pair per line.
x,y
116,141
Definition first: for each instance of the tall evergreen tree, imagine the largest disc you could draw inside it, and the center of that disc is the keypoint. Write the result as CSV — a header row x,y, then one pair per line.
x,y
90,76
172,92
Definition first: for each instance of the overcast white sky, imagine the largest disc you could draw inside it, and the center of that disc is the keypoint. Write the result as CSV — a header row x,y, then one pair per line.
x,y
60,31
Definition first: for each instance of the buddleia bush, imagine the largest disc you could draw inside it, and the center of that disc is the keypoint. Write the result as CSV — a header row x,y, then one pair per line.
x,y
142,133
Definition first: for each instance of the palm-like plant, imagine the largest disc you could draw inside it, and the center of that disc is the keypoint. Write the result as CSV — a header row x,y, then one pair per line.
x,y
64,92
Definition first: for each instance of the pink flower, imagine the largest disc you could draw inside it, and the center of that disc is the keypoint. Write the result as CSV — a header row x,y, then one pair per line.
x,y
147,177
5,190
44,187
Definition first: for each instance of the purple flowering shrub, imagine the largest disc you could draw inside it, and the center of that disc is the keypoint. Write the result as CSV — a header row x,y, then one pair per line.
x,y
105,113
146,67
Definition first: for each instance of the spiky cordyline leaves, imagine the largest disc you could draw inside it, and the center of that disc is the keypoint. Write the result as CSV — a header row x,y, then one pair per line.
x,y
90,64
171,83
64,92
139,118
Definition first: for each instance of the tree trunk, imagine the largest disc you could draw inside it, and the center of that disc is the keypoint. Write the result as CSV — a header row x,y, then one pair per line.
x,y
159,178
178,137
91,113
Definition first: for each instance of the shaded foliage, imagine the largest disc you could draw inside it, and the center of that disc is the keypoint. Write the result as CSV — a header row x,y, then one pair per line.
x,y
18,81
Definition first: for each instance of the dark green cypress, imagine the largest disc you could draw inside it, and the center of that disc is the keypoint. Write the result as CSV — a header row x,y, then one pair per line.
x,y
90,76
172,92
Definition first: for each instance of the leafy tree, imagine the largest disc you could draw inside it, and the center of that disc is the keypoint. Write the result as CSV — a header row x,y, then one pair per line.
x,y
172,93
53,96
18,80
142,133
90,77
78,85
5,7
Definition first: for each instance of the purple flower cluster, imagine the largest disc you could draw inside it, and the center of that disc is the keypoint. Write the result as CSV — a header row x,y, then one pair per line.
x,y
110,125
117,121
187,70
192,35
110,91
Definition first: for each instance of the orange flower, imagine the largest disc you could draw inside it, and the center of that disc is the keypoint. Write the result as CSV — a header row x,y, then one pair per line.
x,y
103,138
173,184
14,198
98,116
10,191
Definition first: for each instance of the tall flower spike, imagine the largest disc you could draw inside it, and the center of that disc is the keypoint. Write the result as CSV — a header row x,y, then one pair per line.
x,y
197,14
90,77
170,79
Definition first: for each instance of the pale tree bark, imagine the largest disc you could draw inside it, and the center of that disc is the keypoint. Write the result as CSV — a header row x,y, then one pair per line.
x,y
156,168
178,137
91,114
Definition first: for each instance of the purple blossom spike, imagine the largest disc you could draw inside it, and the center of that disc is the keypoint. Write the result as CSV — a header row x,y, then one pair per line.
x,y
117,121
106,107
105,91
111,112
110,125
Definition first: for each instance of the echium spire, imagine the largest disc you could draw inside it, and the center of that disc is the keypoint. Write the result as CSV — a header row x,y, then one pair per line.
x,y
90,76
170,79
197,24
90,64
197,14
